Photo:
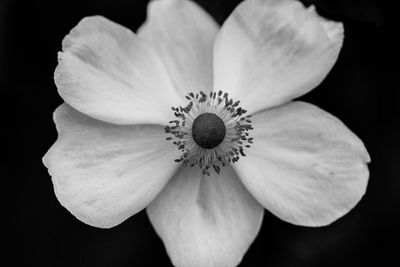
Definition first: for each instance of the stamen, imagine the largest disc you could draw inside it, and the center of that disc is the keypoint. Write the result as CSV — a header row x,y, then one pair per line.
x,y
210,154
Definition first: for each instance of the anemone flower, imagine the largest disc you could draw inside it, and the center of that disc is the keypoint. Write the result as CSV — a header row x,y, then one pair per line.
x,y
197,124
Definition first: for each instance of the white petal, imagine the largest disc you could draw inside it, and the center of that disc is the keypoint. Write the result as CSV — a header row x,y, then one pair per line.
x,y
271,51
205,221
108,73
104,173
183,35
305,166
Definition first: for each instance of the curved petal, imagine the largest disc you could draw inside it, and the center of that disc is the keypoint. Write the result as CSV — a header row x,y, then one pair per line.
x,y
205,221
305,166
183,35
271,51
108,73
104,173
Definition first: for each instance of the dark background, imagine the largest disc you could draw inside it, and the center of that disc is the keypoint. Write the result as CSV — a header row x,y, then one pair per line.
x,y
362,90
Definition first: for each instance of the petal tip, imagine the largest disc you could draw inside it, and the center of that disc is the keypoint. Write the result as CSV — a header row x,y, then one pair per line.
x,y
66,202
364,154
333,29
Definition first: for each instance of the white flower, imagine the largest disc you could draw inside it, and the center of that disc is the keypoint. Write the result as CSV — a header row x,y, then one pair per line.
x,y
112,159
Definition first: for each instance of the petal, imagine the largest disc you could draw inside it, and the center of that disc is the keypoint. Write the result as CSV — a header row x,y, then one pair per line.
x,y
305,166
183,35
104,173
205,221
108,73
269,52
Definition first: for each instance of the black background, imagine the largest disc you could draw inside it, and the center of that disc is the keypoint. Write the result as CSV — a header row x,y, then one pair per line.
x,y
362,90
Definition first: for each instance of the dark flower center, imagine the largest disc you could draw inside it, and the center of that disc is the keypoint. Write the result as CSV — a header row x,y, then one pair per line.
x,y
208,130
211,131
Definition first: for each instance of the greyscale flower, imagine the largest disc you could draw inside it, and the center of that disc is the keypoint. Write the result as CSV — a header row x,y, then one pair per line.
x,y
197,123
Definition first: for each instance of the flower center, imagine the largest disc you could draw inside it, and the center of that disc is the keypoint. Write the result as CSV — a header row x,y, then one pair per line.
x,y
211,131
208,130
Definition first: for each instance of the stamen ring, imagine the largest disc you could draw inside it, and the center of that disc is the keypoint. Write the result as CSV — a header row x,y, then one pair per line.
x,y
211,131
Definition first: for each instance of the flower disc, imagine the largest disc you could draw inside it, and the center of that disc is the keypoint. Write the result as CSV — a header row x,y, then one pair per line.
x,y
208,130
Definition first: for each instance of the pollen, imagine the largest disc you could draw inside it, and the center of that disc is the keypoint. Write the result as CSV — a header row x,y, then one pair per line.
x,y
212,131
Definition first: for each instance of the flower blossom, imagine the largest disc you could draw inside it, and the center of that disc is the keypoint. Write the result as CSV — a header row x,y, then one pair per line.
x,y
196,123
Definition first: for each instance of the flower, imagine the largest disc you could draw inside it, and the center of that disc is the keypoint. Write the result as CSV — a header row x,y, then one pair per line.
x,y
112,160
